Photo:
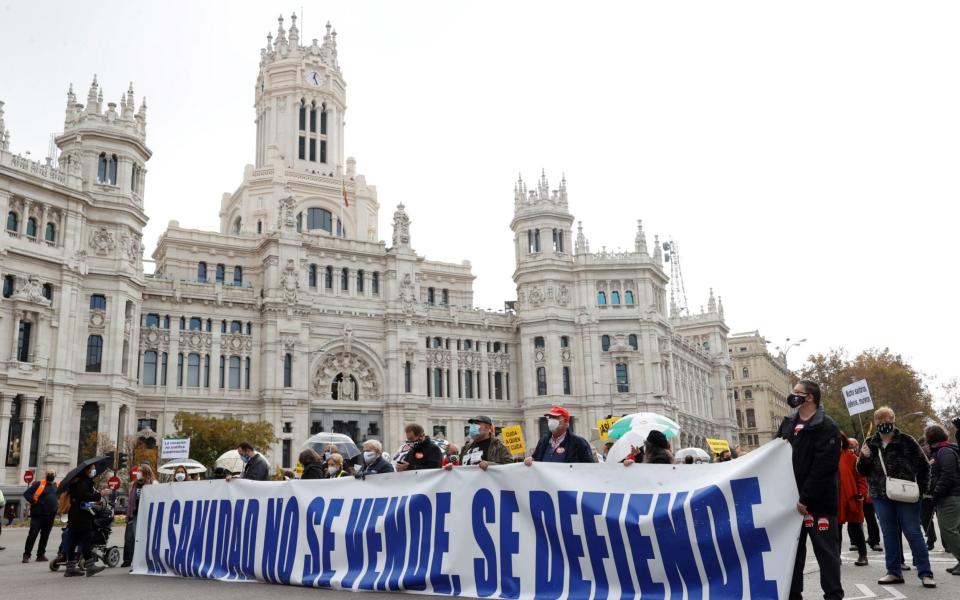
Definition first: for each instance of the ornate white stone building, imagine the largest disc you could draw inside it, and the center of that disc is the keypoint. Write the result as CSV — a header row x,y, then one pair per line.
x,y
297,312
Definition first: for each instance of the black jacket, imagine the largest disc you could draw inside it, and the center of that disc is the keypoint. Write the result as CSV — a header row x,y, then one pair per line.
x,y
423,455
316,470
945,472
46,504
80,519
816,461
903,457
657,456
257,469
575,449
378,466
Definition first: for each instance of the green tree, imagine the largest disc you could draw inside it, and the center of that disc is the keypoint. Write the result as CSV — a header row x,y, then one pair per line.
x,y
211,436
892,381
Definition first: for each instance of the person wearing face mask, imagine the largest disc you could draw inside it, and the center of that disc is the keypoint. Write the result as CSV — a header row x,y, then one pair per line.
x,y
373,461
335,466
890,453
815,439
82,495
560,445
42,497
255,466
423,453
451,455
483,448
180,474
853,489
314,466
945,489
143,476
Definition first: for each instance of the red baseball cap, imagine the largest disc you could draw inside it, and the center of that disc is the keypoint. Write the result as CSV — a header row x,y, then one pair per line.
x,y
558,411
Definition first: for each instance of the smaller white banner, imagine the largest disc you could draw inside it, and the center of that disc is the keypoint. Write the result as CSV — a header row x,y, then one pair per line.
x,y
857,397
175,448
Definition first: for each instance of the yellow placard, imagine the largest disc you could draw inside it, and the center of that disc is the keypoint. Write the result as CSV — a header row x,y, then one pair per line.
x,y
513,438
604,425
718,446
298,469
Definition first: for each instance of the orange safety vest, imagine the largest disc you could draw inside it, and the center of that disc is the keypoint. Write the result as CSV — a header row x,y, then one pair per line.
x,y
40,488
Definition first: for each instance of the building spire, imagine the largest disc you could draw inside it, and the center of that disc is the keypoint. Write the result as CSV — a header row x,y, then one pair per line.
x,y
4,134
294,32
711,303
641,240
657,252
92,106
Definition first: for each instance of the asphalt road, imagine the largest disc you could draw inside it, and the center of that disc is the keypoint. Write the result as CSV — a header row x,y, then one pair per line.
x,y
19,580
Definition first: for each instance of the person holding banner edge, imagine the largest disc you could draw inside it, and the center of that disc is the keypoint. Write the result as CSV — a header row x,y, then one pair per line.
x,y
483,448
815,439
560,445
888,457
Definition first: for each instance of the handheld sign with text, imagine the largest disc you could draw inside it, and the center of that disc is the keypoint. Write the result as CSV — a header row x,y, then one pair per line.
x,y
175,448
857,397
513,438
718,446
604,425
28,477
113,483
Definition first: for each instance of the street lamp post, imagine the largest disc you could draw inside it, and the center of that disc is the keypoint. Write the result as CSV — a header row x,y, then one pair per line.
x,y
787,345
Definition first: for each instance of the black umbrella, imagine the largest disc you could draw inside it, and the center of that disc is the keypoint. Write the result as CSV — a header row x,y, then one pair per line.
x,y
100,461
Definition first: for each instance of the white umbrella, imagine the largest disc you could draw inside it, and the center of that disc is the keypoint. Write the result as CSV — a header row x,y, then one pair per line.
x,y
698,454
231,461
189,464
346,447
632,430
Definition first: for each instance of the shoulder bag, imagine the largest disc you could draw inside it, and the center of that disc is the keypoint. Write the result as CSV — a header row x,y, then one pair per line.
x,y
900,490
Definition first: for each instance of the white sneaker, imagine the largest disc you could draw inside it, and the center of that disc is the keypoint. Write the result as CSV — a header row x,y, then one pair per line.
x,y
928,581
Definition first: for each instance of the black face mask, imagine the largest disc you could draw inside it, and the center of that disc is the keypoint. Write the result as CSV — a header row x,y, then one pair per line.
x,y
885,428
795,400
50,478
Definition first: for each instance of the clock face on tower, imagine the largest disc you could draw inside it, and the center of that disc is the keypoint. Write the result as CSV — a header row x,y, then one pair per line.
x,y
314,78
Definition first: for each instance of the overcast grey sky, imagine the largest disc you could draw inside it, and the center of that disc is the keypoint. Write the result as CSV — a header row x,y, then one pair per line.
x,y
803,155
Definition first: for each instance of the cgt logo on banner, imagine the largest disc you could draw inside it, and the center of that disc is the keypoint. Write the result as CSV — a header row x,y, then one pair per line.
x,y
548,531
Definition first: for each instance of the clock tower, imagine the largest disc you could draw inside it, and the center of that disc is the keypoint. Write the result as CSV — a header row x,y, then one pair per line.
x,y
300,101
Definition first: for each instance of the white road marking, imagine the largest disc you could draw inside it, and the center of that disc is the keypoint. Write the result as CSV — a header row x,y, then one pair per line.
x,y
863,590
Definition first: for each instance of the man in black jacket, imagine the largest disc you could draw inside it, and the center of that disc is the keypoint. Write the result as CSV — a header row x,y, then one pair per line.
x,y
815,439
255,465
560,445
42,497
423,453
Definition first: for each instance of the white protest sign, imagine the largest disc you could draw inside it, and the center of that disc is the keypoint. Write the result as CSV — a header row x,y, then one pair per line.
x,y
726,530
175,448
857,397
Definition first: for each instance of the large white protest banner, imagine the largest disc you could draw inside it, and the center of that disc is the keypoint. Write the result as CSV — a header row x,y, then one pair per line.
x,y
725,530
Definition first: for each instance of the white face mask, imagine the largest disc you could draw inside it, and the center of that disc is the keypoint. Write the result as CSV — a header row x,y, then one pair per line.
x,y
552,424
93,472
139,475
333,470
180,476
369,456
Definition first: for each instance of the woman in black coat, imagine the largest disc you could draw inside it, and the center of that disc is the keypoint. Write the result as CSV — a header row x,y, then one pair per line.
x,y
83,494
313,465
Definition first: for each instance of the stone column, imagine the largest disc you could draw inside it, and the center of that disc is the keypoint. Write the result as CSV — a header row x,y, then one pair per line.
x,y
28,406
6,403
24,217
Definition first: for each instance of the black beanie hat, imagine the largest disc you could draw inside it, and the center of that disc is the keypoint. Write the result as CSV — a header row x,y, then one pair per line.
x,y
657,439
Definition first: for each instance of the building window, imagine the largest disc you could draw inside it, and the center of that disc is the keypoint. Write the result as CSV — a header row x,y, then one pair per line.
x,y
751,418
564,341
605,343
632,340
13,221
623,383
468,383
566,381
163,367
179,369
221,272
223,370
328,278
558,240
234,372
196,324
259,227
614,297
748,394
7,286
319,218
102,168
149,368
23,341
601,298
431,296
94,353
193,370
249,328
497,385
344,279
152,320
375,284
538,342
236,326
99,302
47,291
312,276
246,373
739,419
407,377
202,272
736,395
437,342
287,370
445,297
31,227
206,370
628,297
746,373
166,322
360,281
238,276
541,381
438,383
